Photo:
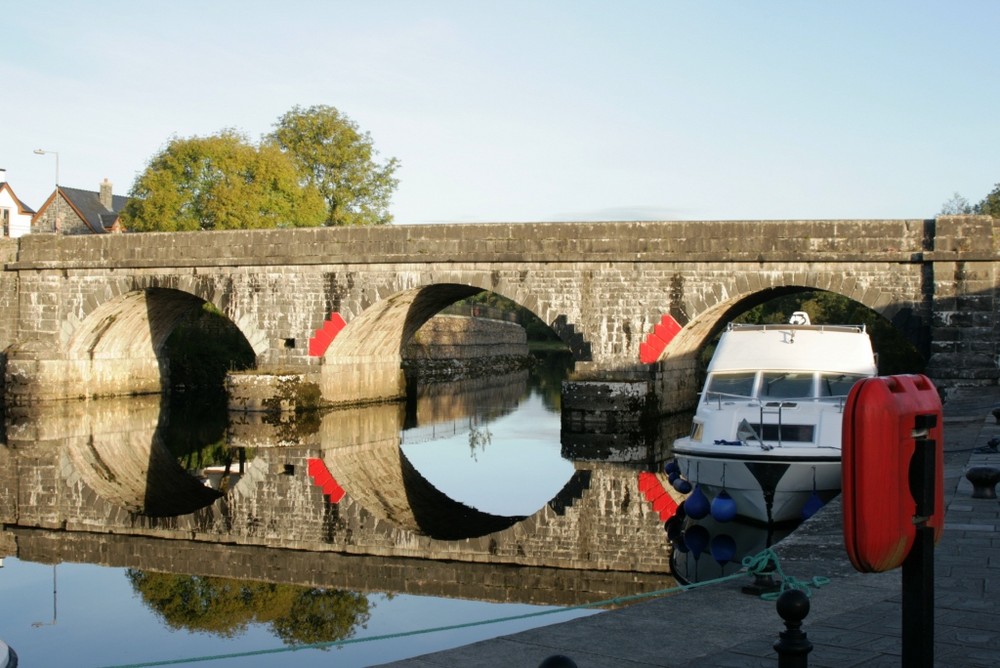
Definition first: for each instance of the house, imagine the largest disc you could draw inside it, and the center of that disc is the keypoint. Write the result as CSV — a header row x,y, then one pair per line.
x,y
15,215
75,211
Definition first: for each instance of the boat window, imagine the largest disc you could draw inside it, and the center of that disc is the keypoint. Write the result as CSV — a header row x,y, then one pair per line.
x,y
837,384
792,433
786,384
735,384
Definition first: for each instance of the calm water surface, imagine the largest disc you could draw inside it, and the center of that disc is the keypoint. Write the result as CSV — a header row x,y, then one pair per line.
x,y
493,449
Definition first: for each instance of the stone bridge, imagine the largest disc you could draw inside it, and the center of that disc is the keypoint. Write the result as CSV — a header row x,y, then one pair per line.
x,y
87,316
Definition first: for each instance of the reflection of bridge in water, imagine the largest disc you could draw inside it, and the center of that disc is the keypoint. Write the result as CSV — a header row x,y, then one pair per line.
x,y
94,481
442,410
495,583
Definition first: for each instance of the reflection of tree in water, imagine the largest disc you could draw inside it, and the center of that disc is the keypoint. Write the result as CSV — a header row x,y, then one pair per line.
x,y
195,423
479,438
225,607
195,432
547,375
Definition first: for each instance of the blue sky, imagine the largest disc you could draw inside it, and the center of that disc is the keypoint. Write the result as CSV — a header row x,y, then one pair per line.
x,y
534,111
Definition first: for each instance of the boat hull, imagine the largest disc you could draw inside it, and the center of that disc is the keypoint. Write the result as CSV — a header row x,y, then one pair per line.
x,y
767,489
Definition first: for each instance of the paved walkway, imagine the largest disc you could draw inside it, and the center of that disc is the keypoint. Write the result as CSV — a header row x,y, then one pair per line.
x,y
855,620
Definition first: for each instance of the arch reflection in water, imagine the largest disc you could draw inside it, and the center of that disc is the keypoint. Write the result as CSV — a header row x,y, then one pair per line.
x,y
495,446
116,448
93,471
462,459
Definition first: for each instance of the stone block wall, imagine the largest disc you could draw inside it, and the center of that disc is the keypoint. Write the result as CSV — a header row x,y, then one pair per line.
x,y
450,337
965,329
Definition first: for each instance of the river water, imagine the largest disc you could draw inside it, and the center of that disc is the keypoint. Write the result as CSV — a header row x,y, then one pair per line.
x,y
138,532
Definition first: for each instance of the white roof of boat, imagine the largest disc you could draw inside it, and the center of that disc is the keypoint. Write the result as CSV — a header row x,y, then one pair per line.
x,y
833,348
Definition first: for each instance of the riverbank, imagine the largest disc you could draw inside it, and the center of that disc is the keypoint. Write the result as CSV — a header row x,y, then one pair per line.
x,y
854,620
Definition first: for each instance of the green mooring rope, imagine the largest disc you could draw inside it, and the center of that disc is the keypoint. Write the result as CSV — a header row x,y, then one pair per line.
x,y
760,563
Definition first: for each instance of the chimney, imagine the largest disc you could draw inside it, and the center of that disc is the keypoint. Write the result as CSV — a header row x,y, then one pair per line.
x,y
105,196
3,175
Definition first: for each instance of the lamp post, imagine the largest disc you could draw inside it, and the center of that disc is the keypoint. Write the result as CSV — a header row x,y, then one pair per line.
x,y
38,151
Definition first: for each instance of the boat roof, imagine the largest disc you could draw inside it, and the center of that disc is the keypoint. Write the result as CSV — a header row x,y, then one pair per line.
x,y
783,347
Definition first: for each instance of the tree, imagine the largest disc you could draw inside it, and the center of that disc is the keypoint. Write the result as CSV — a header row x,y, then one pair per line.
x,y
220,182
990,205
336,158
956,206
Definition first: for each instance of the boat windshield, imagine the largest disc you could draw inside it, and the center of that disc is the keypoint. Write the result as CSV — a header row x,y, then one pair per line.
x,y
733,384
837,384
787,385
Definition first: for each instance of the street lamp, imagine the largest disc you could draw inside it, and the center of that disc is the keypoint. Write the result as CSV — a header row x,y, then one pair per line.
x,y
38,151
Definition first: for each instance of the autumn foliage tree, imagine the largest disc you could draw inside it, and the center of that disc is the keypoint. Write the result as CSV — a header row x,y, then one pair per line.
x,y
220,182
316,168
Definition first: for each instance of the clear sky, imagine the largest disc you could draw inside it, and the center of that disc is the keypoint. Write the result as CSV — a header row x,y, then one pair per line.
x,y
533,111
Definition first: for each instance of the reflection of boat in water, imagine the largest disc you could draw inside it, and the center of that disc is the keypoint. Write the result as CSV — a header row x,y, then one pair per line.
x,y
8,658
706,549
767,430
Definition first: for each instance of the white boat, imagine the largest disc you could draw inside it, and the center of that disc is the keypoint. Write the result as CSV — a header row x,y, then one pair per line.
x,y
767,429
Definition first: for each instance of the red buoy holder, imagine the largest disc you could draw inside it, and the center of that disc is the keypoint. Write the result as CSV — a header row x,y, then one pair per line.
x,y
893,493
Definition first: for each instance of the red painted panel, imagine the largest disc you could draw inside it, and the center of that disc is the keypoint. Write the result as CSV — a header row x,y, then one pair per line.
x,y
662,501
322,478
878,443
658,340
324,336
648,354
647,481
665,502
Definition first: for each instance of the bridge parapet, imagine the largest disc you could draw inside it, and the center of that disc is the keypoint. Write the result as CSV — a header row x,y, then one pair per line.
x,y
691,241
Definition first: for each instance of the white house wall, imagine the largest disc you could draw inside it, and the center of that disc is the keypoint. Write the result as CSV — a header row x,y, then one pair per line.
x,y
20,223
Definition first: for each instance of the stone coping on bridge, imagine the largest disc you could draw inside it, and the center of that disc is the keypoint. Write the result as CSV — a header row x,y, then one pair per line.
x,y
903,240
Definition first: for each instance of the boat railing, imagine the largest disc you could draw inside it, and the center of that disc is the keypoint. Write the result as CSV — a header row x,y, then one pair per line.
x,y
742,326
719,397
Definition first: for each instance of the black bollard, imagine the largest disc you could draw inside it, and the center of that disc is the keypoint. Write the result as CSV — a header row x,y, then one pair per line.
x,y
793,647
557,661
984,481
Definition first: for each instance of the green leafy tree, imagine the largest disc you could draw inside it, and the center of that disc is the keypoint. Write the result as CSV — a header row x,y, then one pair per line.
x,y
336,158
958,205
990,205
220,182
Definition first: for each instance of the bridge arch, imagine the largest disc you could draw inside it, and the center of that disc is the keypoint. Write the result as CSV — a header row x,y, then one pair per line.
x,y
364,359
112,344
177,289
679,370
733,297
